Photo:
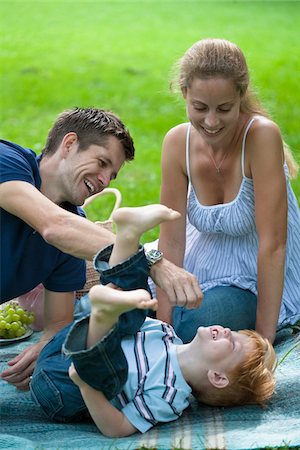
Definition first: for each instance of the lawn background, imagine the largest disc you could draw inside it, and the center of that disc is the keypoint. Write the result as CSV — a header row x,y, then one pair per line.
x,y
118,54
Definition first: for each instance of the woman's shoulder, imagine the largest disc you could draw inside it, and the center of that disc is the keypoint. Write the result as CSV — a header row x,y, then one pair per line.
x,y
263,126
174,144
177,134
263,133
264,142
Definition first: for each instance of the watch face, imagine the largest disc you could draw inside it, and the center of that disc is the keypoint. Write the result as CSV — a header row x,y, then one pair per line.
x,y
153,256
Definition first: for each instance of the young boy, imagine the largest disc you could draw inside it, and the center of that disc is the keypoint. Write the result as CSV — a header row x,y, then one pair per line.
x,y
129,372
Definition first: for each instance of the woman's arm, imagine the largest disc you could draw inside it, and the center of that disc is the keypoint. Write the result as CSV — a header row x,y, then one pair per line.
x,y
173,194
266,166
109,420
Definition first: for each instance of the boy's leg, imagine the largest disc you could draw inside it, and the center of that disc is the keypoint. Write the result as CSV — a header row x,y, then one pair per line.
x,y
131,223
107,306
51,388
130,268
103,364
129,274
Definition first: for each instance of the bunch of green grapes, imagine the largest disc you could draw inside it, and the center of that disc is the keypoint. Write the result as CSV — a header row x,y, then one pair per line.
x,y
14,320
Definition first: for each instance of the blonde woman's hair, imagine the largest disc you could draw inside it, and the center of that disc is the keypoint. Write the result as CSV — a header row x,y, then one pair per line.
x,y
218,57
251,382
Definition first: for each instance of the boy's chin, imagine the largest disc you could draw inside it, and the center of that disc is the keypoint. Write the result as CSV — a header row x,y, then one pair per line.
x,y
201,331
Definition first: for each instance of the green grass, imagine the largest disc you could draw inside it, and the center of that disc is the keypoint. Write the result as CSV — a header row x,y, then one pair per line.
x,y
117,55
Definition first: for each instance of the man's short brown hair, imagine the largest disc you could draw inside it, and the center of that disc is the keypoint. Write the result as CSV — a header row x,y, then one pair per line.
x,y
92,126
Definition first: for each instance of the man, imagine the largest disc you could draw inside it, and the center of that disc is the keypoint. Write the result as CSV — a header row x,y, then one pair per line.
x,y
44,239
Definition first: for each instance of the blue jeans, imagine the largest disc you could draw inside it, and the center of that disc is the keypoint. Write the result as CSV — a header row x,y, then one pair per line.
x,y
103,366
228,306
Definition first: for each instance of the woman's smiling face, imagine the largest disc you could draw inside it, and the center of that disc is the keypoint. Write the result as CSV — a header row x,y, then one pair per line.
x,y
213,107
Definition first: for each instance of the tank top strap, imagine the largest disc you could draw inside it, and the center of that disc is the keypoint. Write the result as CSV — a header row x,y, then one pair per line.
x,y
187,151
243,144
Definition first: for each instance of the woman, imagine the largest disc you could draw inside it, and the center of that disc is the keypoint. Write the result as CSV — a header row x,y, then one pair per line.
x,y
227,173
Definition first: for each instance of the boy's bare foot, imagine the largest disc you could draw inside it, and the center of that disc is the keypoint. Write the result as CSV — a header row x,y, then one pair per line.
x,y
137,220
109,303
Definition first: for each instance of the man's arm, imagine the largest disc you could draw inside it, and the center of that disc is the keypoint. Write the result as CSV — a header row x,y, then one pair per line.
x,y
58,312
64,230
109,420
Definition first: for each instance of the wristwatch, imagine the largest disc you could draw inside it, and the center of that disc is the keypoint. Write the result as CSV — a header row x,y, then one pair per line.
x,y
153,256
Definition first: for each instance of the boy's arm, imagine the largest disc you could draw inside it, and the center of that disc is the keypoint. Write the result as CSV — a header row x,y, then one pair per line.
x,y
109,420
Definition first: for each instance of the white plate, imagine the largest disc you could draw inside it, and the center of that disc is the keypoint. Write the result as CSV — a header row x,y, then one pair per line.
x,y
12,340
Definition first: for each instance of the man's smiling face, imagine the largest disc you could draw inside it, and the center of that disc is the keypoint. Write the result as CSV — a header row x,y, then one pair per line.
x,y
86,172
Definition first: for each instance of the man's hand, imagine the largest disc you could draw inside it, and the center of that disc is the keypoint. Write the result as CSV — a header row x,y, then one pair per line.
x,y
22,366
181,287
58,312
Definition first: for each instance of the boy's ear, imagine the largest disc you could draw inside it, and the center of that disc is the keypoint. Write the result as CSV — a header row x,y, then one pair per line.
x,y
218,380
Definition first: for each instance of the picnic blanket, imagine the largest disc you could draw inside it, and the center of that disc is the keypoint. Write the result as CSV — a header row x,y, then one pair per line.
x,y
23,426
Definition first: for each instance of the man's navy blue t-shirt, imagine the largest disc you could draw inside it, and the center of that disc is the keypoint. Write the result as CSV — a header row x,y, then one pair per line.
x,y
26,258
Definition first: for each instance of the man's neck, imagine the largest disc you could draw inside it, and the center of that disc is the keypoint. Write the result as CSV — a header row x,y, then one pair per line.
x,y
50,181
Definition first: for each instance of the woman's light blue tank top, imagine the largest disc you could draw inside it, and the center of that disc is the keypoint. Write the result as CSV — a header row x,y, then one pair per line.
x,y
222,242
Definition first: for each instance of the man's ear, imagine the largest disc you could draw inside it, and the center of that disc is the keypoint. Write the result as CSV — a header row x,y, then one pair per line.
x,y
218,380
68,142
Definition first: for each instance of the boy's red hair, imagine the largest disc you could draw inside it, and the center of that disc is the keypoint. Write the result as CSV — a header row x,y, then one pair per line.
x,y
251,382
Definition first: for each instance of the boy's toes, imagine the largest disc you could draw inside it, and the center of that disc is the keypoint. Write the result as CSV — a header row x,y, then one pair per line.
x,y
150,304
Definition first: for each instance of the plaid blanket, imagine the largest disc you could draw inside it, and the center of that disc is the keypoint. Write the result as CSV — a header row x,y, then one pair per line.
x,y
22,425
